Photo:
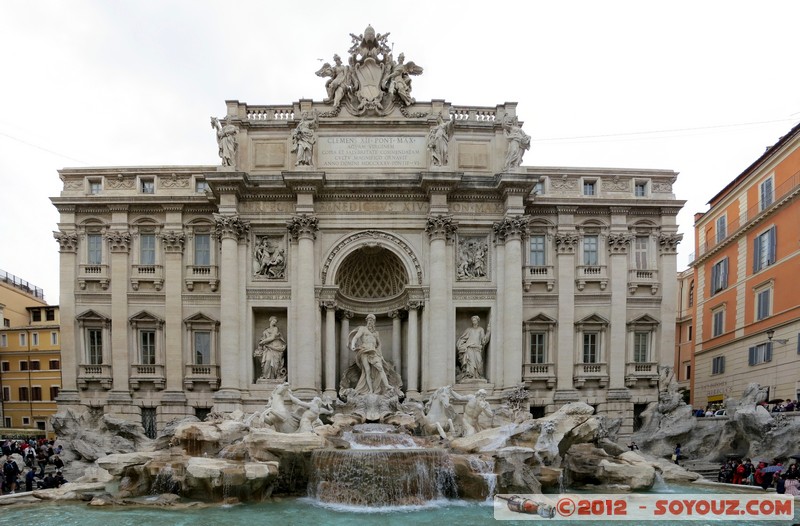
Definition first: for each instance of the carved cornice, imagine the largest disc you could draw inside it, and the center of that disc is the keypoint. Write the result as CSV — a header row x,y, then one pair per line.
x,y
67,241
415,304
567,209
668,243
65,209
619,243
619,209
670,211
114,207
173,241
328,304
566,242
118,241
441,227
230,226
511,228
173,181
269,294
172,208
303,226
366,236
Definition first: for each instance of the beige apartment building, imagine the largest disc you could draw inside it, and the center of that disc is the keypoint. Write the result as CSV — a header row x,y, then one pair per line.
x,y
191,288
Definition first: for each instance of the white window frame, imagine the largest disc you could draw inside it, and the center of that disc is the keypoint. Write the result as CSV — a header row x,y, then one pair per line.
x,y
147,347
766,193
144,182
586,337
3,340
644,185
719,311
207,359
94,186
201,186
23,339
763,302
92,348
543,252
34,339
758,354
584,252
595,186
54,338
92,250
718,365
719,275
195,252
641,254
642,337
721,227
541,347
765,249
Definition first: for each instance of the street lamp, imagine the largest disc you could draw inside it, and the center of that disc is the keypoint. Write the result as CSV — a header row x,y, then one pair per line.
x,y
771,333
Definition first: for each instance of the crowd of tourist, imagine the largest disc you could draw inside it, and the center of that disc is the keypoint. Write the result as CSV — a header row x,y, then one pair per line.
x,y
36,456
778,406
785,479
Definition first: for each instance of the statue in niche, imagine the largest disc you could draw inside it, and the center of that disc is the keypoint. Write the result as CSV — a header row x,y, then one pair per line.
x,y
476,406
304,137
338,83
226,139
470,351
438,139
472,255
370,374
518,142
398,80
270,261
271,351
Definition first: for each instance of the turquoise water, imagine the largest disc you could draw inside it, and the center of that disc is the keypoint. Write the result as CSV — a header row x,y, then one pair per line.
x,y
289,512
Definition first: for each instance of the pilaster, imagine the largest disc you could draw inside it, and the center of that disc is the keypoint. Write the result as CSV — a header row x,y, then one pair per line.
x,y
441,229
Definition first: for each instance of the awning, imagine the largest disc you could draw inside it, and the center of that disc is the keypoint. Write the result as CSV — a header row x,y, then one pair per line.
x,y
716,398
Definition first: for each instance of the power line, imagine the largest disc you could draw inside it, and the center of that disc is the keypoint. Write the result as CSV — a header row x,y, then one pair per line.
x,y
653,132
43,148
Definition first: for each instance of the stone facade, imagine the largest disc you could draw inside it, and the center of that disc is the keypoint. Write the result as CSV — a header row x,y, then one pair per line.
x,y
368,202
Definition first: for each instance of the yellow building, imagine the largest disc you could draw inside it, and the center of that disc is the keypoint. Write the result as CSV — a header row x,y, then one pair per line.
x,y
30,355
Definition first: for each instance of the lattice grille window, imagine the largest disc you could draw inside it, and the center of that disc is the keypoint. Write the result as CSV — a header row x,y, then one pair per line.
x,y
370,273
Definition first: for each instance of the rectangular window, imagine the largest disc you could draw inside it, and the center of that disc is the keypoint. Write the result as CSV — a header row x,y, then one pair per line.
x,y
640,189
590,256
3,340
690,333
6,366
54,392
767,194
589,188
538,350
764,249
641,347
718,365
95,187
7,421
54,338
147,345
202,348
36,365
718,326
36,394
761,353
95,249
55,365
41,425
590,347
26,421
23,365
640,252
719,276
763,303
35,339
50,314
200,187
6,394
538,188
148,186
147,249
537,251
23,394
23,339
722,228
202,249
95,346
36,315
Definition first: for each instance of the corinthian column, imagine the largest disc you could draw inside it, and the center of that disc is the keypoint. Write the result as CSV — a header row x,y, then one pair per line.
x,y
303,362
618,244
441,230
330,347
119,244
230,229
566,244
512,230
412,354
68,247
173,242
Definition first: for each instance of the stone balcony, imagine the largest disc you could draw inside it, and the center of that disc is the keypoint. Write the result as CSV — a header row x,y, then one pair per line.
x,y
195,374
643,278
147,273
635,371
533,373
202,274
591,274
93,273
595,372
153,373
538,274
95,373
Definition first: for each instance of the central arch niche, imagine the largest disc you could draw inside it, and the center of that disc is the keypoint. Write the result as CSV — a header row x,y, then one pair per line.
x,y
371,273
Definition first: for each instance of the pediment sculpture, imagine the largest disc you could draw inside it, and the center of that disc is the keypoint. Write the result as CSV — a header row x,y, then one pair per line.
x,y
372,81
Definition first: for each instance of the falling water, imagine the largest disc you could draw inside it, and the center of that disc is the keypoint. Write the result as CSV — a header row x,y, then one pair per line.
x,y
378,436
165,482
659,484
485,468
370,477
562,487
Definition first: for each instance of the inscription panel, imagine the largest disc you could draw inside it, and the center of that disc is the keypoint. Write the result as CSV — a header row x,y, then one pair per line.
x,y
385,151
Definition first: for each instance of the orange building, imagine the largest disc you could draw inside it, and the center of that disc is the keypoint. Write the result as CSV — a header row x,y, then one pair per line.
x,y
684,328
747,291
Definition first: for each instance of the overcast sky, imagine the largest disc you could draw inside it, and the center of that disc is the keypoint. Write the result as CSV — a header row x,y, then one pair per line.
x,y
696,87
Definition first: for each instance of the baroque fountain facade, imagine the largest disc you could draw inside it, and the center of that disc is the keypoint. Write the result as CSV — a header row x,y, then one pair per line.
x,y
365,259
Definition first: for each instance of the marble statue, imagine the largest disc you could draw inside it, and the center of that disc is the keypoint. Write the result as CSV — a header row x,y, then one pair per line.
x,y
438,139
271,351
370,374
270,261
518,142
277,414
304,137
476,406
398,81
309,418
472,255
470,351
226,139
339,82
438,414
